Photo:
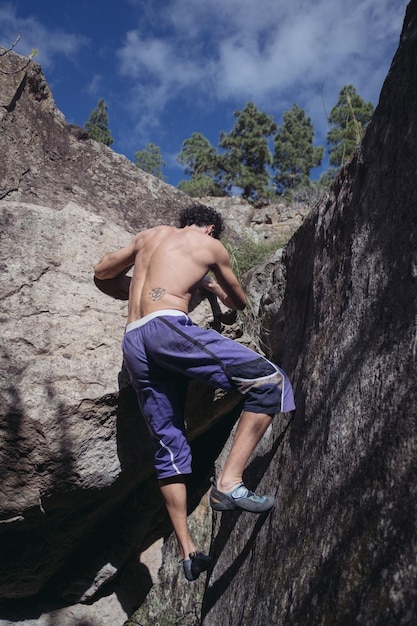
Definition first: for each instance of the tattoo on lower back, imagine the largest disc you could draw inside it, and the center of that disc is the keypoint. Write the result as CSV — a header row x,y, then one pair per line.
x,y
157,293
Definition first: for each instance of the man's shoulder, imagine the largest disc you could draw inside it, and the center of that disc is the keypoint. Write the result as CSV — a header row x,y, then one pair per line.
x,y
216,244
155,230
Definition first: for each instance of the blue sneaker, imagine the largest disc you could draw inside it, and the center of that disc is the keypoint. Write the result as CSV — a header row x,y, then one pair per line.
x,y
239,498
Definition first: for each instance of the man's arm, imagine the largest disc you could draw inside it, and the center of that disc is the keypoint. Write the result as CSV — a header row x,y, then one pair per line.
x,y
113,264
227,288
210,285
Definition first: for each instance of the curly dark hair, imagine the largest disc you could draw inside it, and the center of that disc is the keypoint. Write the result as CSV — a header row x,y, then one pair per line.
x,y
202,215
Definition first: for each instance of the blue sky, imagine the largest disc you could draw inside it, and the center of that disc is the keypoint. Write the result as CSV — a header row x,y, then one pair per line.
x,y
167,69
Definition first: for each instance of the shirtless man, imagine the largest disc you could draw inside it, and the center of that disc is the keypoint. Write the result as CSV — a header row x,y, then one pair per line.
x,y
163,349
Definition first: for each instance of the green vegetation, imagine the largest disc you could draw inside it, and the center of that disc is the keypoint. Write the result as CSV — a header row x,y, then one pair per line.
x,y
200,162
200,186
348,120
97,124
198,156
246,155
295,156
243,161
150,160
248,253
258,158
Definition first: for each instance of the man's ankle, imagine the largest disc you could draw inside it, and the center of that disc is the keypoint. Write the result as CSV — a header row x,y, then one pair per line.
x,y
226,486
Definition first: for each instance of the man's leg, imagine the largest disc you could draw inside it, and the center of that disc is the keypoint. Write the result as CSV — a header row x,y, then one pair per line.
x,y
250,430
174,493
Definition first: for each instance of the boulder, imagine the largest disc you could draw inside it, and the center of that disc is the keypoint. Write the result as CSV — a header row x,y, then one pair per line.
x,y
78,496
74,446
47,162
339,547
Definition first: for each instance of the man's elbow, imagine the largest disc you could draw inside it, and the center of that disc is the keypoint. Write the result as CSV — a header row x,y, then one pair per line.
x,y
99,273
102,271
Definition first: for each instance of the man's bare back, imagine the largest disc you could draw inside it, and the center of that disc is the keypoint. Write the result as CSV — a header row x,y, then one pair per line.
x,y
168,264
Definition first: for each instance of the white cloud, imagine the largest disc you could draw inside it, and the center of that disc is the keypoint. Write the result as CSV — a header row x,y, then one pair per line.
x,y
157,59
49,43
272,52
160,70
95,85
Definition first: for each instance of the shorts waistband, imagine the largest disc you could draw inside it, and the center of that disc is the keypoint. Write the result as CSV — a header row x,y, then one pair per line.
x,y
151,316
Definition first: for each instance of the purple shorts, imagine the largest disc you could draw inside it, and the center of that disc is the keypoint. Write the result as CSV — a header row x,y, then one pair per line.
x,y
163,350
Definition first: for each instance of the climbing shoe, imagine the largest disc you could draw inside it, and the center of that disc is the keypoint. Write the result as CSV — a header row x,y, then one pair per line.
x,y
239,498
197,563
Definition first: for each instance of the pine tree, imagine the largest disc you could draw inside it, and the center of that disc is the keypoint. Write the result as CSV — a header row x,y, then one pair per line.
x,y
200,161
247,156
348,120
295,154
198,156
200,186
97,124
150,160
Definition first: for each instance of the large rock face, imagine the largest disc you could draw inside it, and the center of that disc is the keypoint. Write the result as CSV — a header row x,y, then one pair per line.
x,y
340,546
47,162
78,498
